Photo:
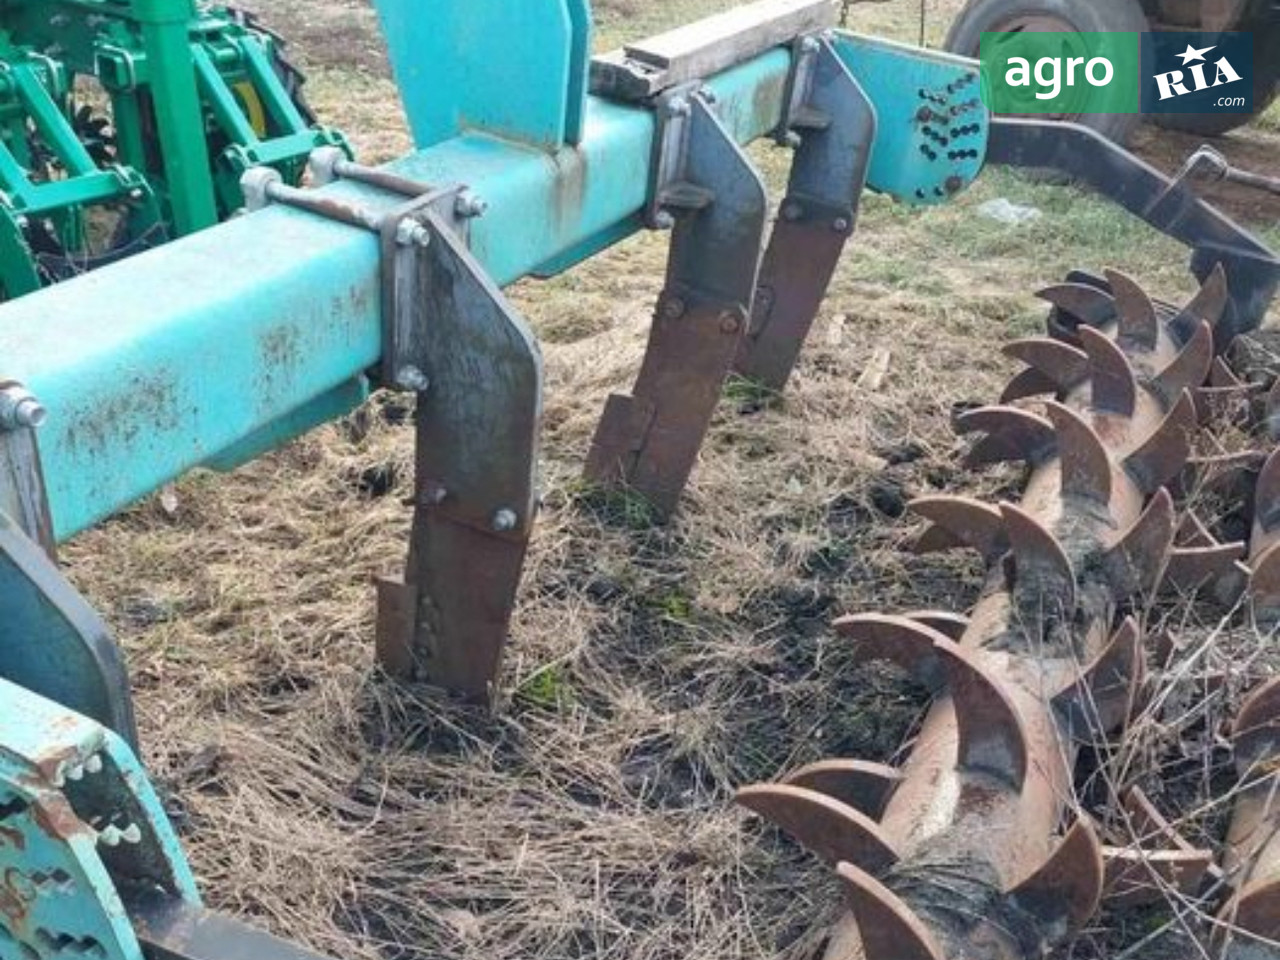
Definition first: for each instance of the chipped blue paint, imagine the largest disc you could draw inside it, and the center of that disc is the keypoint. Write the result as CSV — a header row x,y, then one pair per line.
x,y
78,818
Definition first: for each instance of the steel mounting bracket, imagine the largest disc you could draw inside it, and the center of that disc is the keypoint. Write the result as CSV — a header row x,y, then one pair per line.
x,y
831,122
477,451
708,190
451,337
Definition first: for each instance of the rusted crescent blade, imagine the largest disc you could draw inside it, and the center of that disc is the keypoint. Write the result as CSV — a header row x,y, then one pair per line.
x,y
1264,585
1041,565
1165,452
1101,699
968,522
1255,913
1086,465
1066,366
1013,434
830,830
1266,497
1088,304
1223,377
1069,884
1256,732
1115,385
1138,878
1137,561
1028,383
1191,568
1208,305
1190,368
1139,326
948,624
993,739
860,784
906,643
887,926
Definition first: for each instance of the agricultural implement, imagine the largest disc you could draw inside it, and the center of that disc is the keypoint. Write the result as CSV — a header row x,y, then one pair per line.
x,y
391,278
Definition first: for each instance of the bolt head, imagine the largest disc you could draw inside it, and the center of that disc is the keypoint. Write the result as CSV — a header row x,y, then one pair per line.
x,y
673,308
470,204
840,225
809,45
679,107
794,140
730,323
411,233
664,220
792,212
20,410
410,377
505,520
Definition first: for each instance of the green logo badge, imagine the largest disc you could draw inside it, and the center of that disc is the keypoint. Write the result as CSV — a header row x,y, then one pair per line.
x,y
1061,74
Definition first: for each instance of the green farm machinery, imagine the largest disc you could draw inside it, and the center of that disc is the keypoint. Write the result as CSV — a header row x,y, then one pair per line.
x,y
123,125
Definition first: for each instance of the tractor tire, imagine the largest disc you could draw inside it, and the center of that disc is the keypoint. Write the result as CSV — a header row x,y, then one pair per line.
x,y
1082,16
1266,87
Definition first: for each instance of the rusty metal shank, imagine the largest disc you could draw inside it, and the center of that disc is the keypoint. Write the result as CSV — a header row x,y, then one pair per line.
x,y
1045,661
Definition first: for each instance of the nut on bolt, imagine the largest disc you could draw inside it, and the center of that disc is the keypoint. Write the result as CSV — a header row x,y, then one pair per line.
x,y
470,204
411,233
679,107
505,520
20,410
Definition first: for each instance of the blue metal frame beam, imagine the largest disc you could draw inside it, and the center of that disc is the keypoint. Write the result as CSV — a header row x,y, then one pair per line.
x,y
179,356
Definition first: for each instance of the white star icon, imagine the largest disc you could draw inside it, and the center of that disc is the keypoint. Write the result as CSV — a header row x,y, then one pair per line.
x,y
1193,54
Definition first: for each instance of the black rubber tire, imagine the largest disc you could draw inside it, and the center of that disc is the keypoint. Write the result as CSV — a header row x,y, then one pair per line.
x,y
1087,16
1266,85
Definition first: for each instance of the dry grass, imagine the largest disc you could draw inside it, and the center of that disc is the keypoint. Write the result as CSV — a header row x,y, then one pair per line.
x,y
651,670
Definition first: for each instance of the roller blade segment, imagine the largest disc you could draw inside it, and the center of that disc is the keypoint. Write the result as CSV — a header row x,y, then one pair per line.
x,y
1083,303
832,831
1086,465
1139,326
1161,458
1255,735
1040,562
1028,383
964,522
949,624
897,640
1136,562
1208,306
1252,916
1067,889
993,738
1189,370
1101,699
860,784
1112,379
1061,364
1192,568
1012,434
888,928
1266,497
1222,377
1141,878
